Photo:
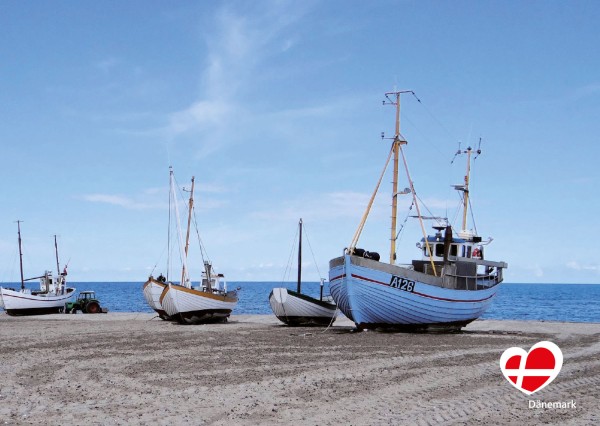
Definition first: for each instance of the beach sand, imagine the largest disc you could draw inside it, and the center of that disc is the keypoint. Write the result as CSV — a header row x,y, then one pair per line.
x,y
136,369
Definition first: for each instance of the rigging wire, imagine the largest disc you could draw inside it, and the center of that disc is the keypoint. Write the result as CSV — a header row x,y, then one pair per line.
x,y
429,211
311,251
472,216
169,231
288,270
182,255
405,220
165,249
203,252
423,135
457,210
435,118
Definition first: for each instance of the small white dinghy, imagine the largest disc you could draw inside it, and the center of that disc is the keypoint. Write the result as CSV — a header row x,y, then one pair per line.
x,y
296,309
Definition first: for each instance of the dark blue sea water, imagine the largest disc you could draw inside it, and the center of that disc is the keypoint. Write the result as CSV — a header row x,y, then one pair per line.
x,y
547,302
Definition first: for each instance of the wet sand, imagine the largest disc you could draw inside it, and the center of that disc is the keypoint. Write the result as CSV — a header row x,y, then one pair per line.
x,y
137,369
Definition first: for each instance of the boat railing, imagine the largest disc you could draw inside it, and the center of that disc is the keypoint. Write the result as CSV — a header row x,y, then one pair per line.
x,y
470,282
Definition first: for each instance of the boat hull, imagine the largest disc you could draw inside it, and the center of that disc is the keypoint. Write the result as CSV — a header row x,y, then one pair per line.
x,y
152,290
296,309
377,295
190,306
17,303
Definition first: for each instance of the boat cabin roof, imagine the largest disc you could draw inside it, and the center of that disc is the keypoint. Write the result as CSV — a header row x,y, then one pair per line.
x,y
437,239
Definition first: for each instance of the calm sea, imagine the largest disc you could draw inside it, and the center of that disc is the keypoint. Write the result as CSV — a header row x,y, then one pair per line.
x,y
547,302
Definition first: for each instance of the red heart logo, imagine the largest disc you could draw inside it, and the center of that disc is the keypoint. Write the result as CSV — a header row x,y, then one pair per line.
x,y
534,370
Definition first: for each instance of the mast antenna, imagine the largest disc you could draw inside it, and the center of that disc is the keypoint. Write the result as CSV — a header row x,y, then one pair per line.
x,y
465,187
478,152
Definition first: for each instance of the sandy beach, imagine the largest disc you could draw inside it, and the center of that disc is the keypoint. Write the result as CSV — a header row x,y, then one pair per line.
x,y
136,369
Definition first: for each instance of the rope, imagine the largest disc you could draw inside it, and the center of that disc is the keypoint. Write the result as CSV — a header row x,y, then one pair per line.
x,y
337,310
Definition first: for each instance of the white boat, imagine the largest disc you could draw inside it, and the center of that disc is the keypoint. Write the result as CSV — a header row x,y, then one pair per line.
x,y
51,296
296,309
209,301
152,289
447,288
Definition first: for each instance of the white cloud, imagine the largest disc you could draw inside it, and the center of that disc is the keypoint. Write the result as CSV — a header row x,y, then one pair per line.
x,y
122,201
236,48
199,116
579,267
154,203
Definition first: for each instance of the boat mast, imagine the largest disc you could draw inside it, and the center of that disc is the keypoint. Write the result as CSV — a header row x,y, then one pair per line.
x,y
56,253
299,255
178,223
20,255
187,236
169,227
466,190
397,149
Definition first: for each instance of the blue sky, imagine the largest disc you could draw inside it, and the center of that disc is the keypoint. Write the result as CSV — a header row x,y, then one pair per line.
x,y
275,107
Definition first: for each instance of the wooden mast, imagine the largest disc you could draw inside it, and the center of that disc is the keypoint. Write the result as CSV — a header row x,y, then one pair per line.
x,y
299,287
20,255
397,148
187,236
466,190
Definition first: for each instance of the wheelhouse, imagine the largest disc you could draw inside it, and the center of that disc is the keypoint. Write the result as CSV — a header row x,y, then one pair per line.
x,y
469,247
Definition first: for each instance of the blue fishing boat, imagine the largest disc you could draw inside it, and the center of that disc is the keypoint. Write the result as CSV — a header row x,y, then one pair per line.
x,y
449,286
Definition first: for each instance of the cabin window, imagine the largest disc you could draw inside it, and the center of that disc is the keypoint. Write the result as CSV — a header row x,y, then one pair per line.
x,y
439,250
453,250
426,252
469,251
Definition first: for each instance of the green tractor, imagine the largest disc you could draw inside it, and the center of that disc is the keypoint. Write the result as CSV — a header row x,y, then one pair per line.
x,y
87,303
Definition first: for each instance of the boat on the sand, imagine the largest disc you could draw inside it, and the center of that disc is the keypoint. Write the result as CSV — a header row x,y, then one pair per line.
x,y
49,298
297,309
449,286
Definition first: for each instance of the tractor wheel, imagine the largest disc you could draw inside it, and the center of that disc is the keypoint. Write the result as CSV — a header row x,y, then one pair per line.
x,y
92,308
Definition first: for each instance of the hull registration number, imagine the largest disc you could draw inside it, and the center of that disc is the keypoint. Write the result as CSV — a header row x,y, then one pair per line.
x,y
402,284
